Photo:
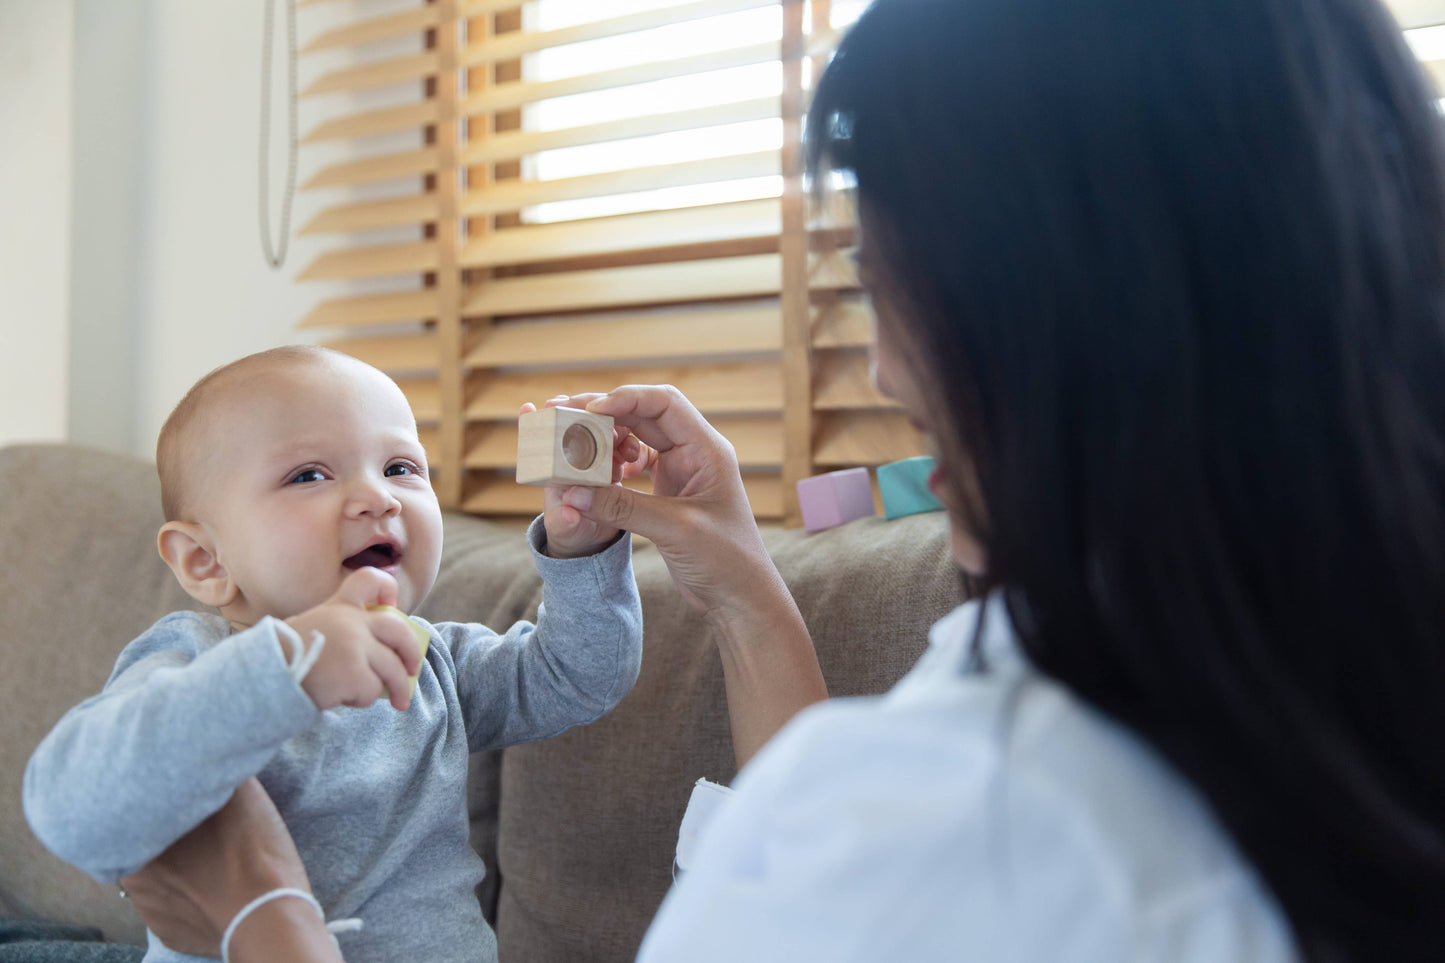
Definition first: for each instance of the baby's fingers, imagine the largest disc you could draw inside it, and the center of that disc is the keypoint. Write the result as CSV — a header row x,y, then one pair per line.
x,y
395,682
634,457
395,631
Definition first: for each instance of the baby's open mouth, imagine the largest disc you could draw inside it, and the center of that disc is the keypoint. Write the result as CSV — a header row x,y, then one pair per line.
x,y
379,555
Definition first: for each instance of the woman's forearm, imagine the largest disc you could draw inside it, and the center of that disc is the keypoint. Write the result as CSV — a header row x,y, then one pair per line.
x,y
770,670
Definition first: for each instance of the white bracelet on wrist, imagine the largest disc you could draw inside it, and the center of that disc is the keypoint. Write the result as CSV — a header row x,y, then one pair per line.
x,y
339,926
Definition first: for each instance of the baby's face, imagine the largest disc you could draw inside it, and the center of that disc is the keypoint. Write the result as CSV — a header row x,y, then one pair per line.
x,y
318,472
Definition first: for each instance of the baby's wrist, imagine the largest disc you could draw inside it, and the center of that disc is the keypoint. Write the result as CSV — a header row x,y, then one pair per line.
x,y
553,550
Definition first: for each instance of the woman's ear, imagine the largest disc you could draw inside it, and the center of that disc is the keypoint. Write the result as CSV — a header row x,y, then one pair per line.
x,y
190,552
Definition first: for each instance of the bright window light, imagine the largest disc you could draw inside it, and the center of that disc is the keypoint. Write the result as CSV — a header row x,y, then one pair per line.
x,y
732,31
1427,42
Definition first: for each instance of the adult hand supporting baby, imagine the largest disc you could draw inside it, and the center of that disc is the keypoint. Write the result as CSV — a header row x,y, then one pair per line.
x,y
699,518
191,892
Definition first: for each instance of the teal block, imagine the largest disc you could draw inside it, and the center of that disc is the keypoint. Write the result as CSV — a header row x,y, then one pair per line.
x,y
904,486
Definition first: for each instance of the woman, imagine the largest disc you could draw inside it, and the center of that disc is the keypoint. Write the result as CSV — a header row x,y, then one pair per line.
x,y
1165,283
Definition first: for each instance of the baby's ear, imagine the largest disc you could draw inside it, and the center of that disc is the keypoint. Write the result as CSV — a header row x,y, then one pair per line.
x,y
190,552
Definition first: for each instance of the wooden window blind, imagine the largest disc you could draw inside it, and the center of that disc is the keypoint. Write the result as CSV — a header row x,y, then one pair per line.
x,y
606,191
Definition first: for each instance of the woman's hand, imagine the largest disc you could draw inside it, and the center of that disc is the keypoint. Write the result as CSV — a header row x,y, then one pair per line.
x,y
699,518
189,894
698,514
569,535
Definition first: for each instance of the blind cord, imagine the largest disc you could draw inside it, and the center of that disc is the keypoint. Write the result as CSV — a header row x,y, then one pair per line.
x,y
276,255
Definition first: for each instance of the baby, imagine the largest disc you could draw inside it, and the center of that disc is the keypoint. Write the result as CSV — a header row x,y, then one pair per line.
x,y
297,500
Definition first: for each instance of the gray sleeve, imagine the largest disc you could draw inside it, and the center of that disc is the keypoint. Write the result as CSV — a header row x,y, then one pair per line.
x,y
570,668
179,725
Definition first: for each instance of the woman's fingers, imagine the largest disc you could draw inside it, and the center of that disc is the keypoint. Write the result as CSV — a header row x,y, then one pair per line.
x,y
623,509
190,892
659,415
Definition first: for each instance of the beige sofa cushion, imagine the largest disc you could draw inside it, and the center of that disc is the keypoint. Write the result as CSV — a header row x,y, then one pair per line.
x,y
588,821
82,579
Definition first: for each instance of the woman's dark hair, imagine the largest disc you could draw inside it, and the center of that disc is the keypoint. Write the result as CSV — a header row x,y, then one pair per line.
x,y
1175,272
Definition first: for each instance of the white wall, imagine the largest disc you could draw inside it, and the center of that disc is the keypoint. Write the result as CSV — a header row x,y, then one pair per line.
x,y
206,295
36,57
155,269
110,56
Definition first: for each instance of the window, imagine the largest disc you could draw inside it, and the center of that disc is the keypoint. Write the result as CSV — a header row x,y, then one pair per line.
x,y
611,194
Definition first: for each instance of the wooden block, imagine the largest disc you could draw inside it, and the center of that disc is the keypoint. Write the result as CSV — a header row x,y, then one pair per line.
x,y
564,446
830,500
904,487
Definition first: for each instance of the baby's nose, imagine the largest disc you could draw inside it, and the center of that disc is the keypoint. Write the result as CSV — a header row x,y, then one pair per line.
x,y
372,497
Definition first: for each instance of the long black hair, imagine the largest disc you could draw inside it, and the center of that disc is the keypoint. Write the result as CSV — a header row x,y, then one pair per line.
x,y
1175,271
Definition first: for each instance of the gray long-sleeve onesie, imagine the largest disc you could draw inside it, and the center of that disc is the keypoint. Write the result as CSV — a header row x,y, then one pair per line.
x,y
374,798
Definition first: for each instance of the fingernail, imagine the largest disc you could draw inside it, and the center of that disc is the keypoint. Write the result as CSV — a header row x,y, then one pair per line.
x,y
579,497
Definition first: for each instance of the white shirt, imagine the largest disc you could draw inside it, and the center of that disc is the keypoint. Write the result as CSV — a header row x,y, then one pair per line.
x,y
990,817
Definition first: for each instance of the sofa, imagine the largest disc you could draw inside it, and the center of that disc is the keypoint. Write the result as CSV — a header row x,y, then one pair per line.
x,y
577,832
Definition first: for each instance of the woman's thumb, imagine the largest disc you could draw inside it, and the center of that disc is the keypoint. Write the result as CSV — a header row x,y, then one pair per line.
x,y
614,506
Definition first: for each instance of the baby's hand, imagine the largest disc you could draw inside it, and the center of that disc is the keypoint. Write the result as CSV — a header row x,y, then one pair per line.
x,y
367,654
569,535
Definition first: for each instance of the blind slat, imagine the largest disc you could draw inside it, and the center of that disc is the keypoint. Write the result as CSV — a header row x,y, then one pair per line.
x,y
400,352
375,122
379,168
515,195
864,438
378,28
510,146
509,46
823,43
377,260
842,381
365,215
701,334
745,387
376,74
373,309
625,233
430,438
425,397
843,324
733,277
833,271
520,93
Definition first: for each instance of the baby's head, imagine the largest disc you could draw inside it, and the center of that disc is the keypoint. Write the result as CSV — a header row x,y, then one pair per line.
x,y
284,471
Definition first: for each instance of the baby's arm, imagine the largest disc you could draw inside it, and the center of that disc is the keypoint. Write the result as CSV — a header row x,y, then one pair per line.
x,y
179,725
570,668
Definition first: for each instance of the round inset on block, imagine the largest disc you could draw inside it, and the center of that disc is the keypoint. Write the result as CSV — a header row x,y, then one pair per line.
x,y
579,447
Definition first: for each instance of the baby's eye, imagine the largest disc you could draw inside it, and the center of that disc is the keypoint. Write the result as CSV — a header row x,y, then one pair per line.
x,y
306,475
402,468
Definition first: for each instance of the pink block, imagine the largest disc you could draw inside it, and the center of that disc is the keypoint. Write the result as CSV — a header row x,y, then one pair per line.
x,y
837,497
